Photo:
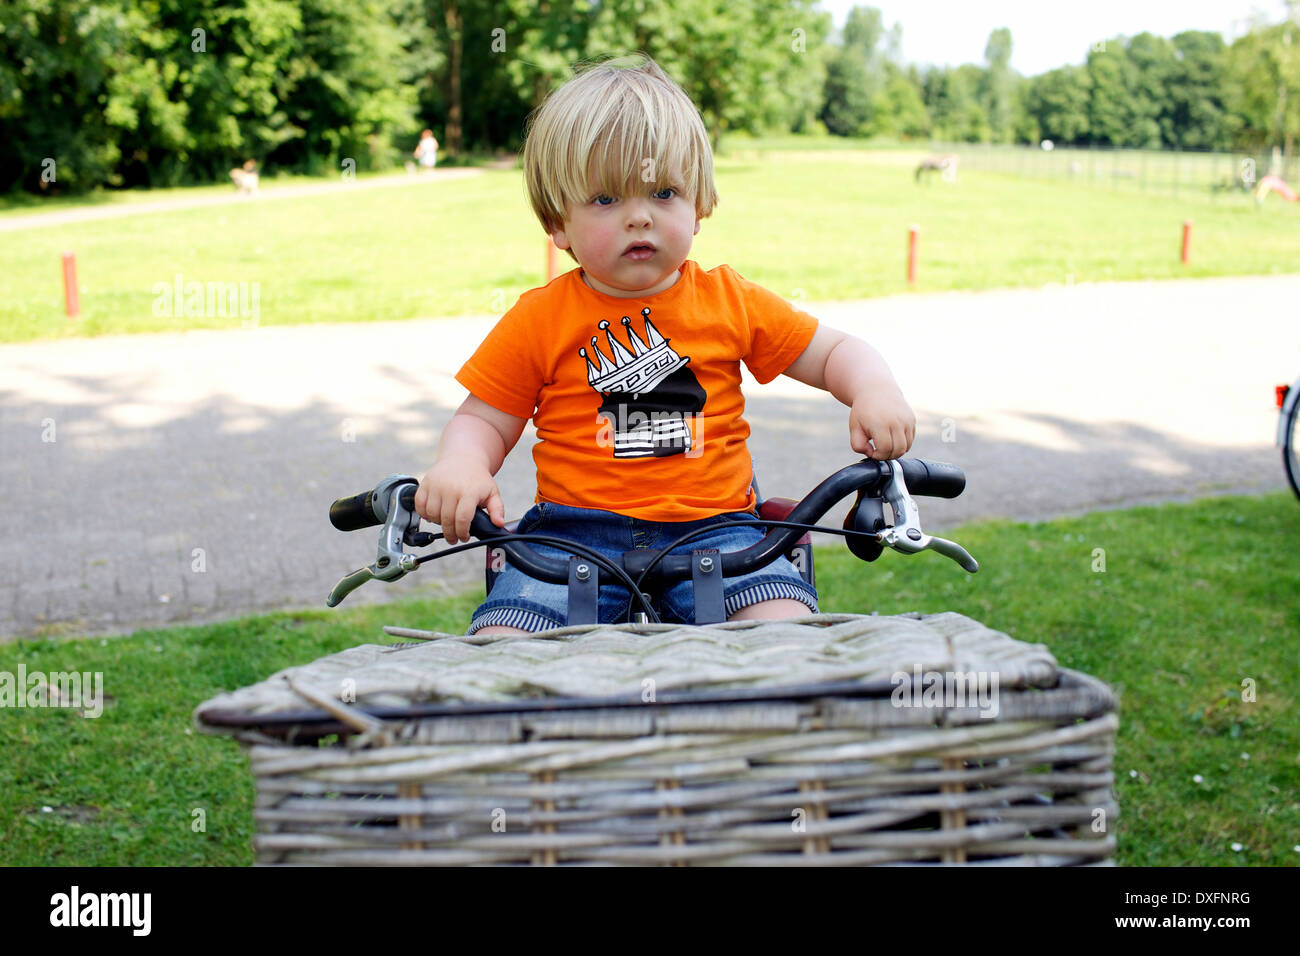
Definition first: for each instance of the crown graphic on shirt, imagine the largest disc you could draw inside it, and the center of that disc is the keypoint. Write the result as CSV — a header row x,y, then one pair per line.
x,y
637,367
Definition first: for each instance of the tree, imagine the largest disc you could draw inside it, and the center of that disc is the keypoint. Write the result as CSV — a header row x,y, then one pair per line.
x,y
56,60
733,60
341,88
1153,69
955,111
899,109
1262,87
1024,124
1057,104
855,75
848,92
546,39
158,92
499,56
1109,112
801,77
1197,113
1000,84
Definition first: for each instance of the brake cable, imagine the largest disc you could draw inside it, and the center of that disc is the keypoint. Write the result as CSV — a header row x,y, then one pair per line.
x,y
634,587
666,551
561,544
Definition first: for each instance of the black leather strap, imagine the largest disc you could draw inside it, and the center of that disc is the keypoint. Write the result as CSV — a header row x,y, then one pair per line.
x,y
706,577
584,589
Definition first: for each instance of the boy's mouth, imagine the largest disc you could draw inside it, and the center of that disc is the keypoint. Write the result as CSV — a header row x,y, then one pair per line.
x,y
639,251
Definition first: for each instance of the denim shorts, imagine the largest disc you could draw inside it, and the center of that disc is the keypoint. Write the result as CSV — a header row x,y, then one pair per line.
x,y
518,600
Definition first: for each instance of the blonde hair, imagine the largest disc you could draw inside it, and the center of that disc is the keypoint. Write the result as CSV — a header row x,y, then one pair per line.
x,y
610,125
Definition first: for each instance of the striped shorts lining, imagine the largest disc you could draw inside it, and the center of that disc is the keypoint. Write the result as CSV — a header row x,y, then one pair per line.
x,y
769,591
529,621
533,622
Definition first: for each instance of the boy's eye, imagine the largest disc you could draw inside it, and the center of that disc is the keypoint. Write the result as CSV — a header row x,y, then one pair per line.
x,y
603,200
666,193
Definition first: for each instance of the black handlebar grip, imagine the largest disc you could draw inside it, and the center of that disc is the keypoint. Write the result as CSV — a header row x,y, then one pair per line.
x,y
934,479
355,513
481,526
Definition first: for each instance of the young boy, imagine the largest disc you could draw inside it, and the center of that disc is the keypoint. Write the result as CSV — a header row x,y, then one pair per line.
x,y
629,366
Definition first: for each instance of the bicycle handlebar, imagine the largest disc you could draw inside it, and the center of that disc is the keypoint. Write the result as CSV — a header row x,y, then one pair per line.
x,y
358,511
867,477
934,479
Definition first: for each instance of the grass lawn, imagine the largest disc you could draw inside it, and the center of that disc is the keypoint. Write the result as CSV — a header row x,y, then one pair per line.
x,y
1194,599
817,224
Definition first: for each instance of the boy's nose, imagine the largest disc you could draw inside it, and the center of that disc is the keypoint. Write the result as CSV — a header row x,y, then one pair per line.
x,y
638,212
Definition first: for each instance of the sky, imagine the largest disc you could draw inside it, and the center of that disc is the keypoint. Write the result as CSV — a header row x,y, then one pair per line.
x,y
1046,34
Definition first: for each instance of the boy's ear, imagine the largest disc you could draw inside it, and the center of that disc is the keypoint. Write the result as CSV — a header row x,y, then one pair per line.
x,y
697,227
561,239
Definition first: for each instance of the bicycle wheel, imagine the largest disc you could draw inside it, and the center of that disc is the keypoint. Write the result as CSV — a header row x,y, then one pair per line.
x,y
1291,448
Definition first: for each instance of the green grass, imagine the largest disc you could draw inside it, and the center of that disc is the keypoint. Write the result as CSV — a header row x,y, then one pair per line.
x,y
1193,599
821,224
123,787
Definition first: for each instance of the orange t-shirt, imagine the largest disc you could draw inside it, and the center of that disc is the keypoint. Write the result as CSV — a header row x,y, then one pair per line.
x,y
637,401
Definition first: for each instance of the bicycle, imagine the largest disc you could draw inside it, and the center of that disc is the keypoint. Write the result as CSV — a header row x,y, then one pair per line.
x,y
1288,403
645,574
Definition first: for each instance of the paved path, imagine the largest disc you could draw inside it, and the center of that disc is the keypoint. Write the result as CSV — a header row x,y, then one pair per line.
x,y
129,463
60,217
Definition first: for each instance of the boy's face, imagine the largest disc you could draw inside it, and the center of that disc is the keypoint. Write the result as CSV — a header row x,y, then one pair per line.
x,y
604,233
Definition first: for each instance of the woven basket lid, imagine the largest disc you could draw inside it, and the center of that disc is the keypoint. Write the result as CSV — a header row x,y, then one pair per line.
x,y
754,659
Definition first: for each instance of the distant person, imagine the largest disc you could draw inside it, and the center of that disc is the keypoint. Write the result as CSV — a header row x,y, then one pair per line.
x,y
427,150
245,178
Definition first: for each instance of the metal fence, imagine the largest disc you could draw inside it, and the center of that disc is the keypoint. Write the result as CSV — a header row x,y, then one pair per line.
x,y
1169,172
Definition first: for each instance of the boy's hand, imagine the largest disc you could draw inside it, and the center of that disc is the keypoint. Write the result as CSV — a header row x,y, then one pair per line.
x,y
854,372
472,447
447,496
883,416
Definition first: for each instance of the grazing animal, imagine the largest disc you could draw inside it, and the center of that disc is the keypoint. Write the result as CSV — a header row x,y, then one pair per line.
x,y
245,178
944,165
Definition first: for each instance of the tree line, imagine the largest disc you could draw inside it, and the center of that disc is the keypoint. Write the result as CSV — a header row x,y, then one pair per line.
x,y
163,92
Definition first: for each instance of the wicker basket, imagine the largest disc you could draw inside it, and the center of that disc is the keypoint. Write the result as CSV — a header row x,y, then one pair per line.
x,y
829,740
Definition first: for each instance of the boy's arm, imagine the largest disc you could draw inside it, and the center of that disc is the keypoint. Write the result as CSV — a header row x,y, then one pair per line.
x,y
471,450
855,373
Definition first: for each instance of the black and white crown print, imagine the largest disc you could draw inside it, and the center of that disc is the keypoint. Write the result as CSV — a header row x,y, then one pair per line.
x,y
649,395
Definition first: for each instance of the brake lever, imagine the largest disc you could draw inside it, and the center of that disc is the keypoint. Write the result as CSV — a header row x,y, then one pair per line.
x,y
906,534
400,525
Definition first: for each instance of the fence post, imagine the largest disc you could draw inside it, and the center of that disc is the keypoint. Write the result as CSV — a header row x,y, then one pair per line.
x,y
71,297
1187,239
911,253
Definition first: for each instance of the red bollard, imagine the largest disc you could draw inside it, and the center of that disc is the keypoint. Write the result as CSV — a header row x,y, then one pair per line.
x,y
1187,239
550,259
71,300
911,254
